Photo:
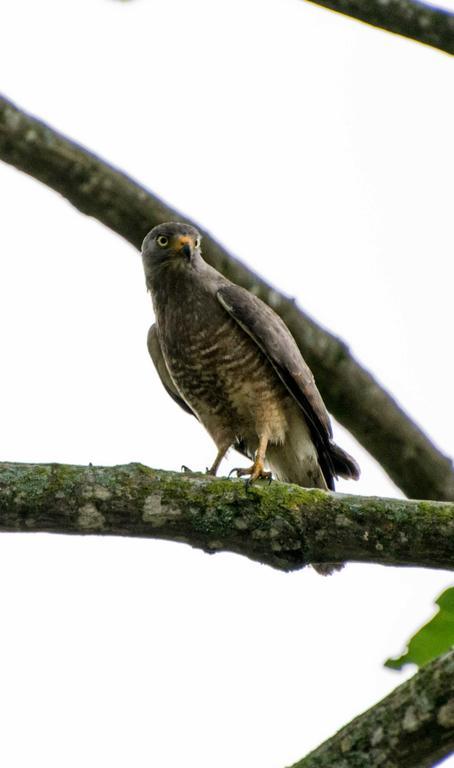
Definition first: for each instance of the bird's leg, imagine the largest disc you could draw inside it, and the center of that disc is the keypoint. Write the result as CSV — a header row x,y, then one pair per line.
x,y
215,465
257,471
219,456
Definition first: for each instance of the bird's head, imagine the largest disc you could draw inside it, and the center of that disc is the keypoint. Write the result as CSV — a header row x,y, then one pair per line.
x,y
173,244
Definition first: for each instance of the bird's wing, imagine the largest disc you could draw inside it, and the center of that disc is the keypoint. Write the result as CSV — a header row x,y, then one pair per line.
x,y
272,336
154,348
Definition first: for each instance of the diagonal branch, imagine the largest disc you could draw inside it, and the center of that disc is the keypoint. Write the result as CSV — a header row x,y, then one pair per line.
x,y
409,18
350,392
284,526
413,727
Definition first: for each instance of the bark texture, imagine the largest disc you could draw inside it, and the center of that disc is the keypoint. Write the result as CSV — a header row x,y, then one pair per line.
x,y
350,392
284,526
418,21
413,727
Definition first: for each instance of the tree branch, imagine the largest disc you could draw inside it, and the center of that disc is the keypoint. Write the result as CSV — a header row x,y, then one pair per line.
x,y
413,727
350,392
418,21
284,526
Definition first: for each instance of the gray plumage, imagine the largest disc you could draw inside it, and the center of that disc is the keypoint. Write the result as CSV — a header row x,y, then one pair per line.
x,y
228,358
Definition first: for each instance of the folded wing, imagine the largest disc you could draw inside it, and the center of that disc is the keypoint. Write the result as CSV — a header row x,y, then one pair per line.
x,y
272,336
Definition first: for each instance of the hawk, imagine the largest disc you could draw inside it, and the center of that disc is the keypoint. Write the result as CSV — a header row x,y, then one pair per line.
x,y
227,358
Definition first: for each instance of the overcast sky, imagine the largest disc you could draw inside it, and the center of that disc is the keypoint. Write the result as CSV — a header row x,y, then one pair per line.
x,y
319,151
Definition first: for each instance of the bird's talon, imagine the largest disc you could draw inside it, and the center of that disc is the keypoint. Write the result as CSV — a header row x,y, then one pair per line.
x,y
254,473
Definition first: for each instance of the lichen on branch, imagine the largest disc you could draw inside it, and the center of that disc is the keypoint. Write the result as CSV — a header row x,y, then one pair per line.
x,y
413,727
284,526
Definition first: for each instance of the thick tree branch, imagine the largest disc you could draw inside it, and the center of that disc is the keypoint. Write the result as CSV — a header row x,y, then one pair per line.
x,y
413,727
350,392
281,525
418,21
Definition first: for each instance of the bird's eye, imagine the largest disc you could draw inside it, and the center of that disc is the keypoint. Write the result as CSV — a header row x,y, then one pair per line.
x,y
163,241
197,242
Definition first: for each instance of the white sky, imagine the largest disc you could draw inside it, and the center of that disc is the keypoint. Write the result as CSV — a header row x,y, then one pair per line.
x,y
320,152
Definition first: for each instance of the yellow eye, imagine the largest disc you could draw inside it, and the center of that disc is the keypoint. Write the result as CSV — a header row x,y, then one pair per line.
x,y
162,240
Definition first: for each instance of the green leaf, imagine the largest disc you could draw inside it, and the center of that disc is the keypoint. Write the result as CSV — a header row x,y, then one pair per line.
x,y
434,638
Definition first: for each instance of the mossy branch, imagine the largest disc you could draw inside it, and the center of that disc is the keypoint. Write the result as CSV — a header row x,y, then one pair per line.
x,y
418,21
350,392
284,526
413,727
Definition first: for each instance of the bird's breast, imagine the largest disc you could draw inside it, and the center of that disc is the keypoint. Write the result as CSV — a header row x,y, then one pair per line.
x,y
220,370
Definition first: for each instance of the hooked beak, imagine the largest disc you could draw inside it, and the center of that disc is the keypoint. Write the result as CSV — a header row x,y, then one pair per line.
x,y
185,245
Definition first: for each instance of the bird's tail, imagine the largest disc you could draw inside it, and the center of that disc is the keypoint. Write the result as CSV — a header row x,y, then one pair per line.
x,y
296,461
344,464
326,569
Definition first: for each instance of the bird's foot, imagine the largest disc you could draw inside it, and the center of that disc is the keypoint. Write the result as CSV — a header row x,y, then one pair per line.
x,y
256,472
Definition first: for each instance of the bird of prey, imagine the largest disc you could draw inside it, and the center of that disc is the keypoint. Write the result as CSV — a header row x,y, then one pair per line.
x,y
227,358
